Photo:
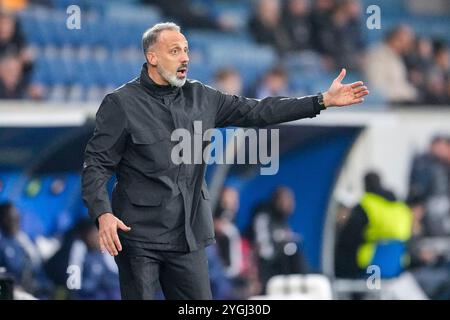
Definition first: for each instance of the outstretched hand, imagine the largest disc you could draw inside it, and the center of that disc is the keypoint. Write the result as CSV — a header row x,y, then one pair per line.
x,y
344,94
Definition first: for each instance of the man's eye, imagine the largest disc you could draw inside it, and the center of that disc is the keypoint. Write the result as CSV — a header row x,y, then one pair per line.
x,y
174,51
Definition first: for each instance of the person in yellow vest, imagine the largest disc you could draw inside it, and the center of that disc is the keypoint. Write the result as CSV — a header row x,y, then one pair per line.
x,y
376,233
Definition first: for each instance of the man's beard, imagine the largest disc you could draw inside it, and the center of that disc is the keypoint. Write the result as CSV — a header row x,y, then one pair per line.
x,y
170,77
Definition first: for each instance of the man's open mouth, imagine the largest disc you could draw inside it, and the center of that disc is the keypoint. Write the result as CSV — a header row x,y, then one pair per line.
x,y
181,72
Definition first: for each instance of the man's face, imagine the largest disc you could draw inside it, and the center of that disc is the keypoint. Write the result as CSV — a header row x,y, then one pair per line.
x,y
170,56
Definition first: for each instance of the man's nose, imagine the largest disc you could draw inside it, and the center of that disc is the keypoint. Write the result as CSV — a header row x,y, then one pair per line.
x,y
184,57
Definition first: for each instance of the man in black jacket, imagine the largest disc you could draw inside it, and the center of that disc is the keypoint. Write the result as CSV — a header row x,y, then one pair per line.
x,y
160,207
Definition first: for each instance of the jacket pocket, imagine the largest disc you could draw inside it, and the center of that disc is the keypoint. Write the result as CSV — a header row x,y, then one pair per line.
x,y
147,137
151,150
141,196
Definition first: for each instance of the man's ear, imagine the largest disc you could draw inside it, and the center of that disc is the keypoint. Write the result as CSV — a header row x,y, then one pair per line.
x,y
152,59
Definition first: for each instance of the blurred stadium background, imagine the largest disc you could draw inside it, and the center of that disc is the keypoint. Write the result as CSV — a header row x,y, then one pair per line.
x,y
53,78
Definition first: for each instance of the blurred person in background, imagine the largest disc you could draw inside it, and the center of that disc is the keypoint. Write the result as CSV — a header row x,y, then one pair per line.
x,y
98,275
438,75
274,83
278,247
418,62
221,285
266,26
297,22
12,82
429,179
190,17
228,80
341,41
19,255
379,218
235,252
385,68
13,42
321,28
429,263
228,237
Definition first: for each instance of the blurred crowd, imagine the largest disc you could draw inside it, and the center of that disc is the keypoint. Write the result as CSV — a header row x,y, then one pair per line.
x,y
402,235
240,263
404,68
398,235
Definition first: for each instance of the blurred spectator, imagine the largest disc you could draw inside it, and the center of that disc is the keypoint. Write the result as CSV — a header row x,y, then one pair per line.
x,y
277,246
297,22
187,16
13,42
275,83
340,40
429,179
227,234
321,24
438,74
386,70
19,255
229,81
429,263
419,61
267,28
80,269
234,251
12,83
221,287
379,219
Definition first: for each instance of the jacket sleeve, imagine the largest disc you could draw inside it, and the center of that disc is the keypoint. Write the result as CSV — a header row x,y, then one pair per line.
x,y
103,152
246,112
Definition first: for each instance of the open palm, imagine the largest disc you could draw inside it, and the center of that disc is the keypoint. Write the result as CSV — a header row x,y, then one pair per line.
x,y
340,94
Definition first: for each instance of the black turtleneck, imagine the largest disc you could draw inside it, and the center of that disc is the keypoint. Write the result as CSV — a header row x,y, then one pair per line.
x,y
151,85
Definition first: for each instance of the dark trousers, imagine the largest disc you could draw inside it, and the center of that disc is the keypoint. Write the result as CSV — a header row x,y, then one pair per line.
x,y
181,275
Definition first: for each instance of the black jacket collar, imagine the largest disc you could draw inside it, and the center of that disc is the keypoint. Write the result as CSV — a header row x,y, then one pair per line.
x,y
155,88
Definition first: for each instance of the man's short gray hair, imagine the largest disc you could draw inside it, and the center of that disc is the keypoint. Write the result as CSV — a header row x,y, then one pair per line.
x,y
151,35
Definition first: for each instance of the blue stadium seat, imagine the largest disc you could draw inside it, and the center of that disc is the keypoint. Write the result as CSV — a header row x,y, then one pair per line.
x,y
251,60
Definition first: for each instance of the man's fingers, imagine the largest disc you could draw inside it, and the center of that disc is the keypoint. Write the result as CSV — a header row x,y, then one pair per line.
x,y
359,89
362,94
341,76
110,244
117,241
122,226
110,237
356,84
102,245
105,244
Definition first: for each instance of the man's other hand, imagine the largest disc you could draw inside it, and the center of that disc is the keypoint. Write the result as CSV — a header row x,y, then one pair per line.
x,y
344,94
107,235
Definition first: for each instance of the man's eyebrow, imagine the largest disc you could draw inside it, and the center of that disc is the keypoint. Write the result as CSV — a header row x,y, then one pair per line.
x,y
178,45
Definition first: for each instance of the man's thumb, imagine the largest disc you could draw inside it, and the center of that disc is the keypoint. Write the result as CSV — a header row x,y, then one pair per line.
x,y
341,76
122,226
